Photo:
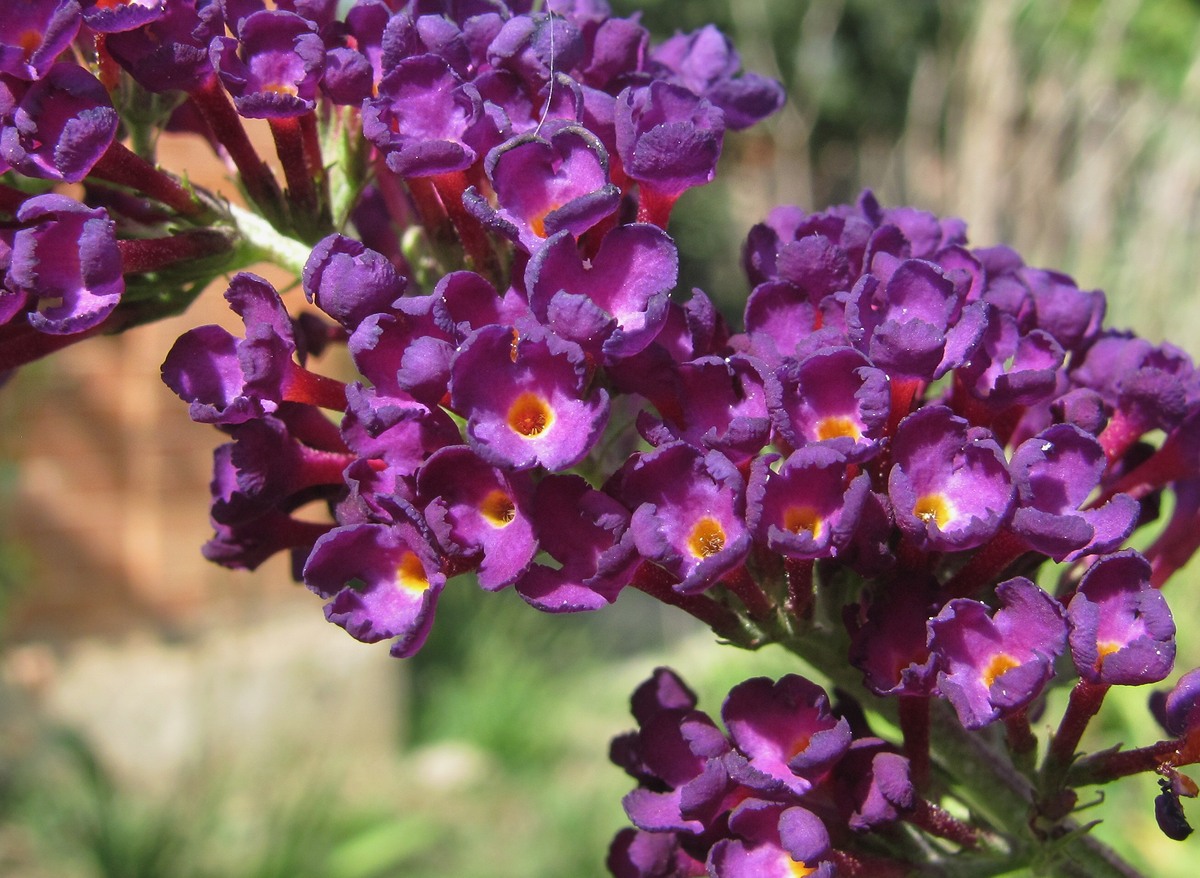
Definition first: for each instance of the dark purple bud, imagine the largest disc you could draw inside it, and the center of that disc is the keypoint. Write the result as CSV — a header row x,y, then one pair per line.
x,y
349,282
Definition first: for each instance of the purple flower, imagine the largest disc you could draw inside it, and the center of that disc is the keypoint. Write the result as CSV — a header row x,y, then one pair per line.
x,y
835,397
786,733
614,304
891,645
668,139
349,282
809,507
382,581
171,52
479,514
106,16
914,323
34,33
274,66
526,398
1010,368
546,185
1122,632
706,63
638,854
949,485
1054,473
65,258
991,665
426,120
58,127
677,756
772,840
228,380
580,529
688,512
1181,707
267,466
718,403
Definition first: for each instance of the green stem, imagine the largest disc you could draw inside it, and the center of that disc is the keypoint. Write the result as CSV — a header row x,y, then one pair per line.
x,y
284,251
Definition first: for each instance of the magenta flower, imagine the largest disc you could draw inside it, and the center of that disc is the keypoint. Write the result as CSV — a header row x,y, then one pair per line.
x,y
426,120
613,305
1122,632
478,514
688,512
993,664
33,34
274,66
1055,473
772,840
834,397
382,582
58,127
786,733
809,507
949,484
526,398
580,528
545,185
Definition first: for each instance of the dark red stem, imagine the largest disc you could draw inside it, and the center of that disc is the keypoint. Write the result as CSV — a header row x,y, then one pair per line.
x,y
123,166
262,188
154,254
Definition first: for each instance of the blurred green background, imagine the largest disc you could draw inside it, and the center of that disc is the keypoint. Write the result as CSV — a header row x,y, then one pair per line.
x,y
1070,130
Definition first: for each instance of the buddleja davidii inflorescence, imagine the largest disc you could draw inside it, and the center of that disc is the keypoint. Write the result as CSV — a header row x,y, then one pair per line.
x,y
871,473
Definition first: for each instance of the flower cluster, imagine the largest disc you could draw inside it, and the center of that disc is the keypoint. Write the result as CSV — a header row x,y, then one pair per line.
x,y
791,789
876,471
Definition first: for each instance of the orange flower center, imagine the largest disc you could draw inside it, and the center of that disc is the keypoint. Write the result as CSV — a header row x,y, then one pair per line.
x,y
410,574
707,538
530,415
934,508
497,507
837,426
798,518
1000,663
